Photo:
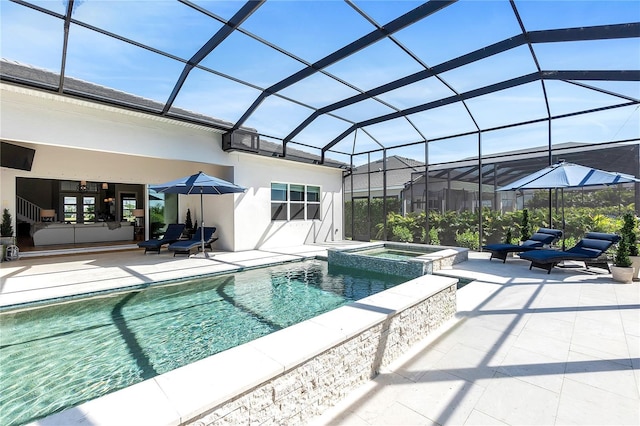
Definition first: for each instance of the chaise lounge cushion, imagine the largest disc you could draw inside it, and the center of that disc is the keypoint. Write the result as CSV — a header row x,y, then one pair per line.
x,y
185,246
171,235
592,246
543,237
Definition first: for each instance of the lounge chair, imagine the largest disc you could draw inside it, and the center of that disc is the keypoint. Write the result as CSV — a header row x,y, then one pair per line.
x,y
171,235
588,250
185,246
543,237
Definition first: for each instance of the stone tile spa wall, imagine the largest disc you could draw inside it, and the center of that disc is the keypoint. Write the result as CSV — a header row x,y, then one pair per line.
x,y
402,268
434,259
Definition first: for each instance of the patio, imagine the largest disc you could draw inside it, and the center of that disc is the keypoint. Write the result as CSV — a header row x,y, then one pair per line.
x,y
526,347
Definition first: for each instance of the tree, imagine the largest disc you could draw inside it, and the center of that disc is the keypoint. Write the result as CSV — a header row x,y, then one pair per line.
x,y
6,228
525,226
629,233
188,223
622,255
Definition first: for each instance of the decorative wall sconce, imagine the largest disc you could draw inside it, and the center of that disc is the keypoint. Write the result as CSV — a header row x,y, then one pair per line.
x,y
105,185
83,186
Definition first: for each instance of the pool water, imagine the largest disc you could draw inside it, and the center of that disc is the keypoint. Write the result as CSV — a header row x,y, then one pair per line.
x,y
394,254
461,281
58,356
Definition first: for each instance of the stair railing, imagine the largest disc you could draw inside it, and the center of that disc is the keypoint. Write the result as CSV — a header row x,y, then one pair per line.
x,y
27,211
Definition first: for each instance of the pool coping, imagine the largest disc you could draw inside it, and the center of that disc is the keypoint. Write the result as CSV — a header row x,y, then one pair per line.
x,y
183,394
31,304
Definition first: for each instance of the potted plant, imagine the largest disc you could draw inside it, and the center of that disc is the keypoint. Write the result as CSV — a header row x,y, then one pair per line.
x,y
629,232
621,270
6,232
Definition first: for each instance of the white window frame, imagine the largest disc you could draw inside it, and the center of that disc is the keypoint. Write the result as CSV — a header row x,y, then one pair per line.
x,y
287,203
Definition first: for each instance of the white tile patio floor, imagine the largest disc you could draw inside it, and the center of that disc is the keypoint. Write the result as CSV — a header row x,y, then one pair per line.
x,y
526,347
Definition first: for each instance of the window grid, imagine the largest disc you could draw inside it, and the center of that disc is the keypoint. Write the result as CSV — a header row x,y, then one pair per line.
x,y
70,209
294,201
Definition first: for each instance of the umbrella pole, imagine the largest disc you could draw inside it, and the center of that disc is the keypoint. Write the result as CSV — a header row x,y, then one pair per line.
x,y
563,224
202,221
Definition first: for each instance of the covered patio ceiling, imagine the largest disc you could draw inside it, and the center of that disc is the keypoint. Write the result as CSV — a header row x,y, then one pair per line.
x,y
336,78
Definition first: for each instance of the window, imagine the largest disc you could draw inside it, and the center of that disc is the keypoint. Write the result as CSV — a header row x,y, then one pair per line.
x,y
296,205
70,209
294,202
128,204
313,202
89,209
279,205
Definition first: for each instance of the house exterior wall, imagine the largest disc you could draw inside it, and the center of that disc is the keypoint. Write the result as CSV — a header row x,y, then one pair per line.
x,y
258,173
77,140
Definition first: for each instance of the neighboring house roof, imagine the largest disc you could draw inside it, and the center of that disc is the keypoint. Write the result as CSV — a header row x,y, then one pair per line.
x,y
399,170
503,168
498,169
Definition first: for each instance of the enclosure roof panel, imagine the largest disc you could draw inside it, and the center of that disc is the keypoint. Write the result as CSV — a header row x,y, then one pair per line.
x,y
336,78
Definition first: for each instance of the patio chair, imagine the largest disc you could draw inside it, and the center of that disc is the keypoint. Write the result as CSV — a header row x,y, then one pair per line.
x,y
185,246
589,250
171,235
543,237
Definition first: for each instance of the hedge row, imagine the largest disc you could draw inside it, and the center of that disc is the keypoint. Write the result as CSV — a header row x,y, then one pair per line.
x,y
461,228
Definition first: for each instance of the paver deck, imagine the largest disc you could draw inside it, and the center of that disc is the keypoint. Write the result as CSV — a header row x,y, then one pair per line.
x,y
525,348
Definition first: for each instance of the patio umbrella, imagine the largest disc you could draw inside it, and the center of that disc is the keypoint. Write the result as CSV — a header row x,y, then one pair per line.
x,y
199,183
568,175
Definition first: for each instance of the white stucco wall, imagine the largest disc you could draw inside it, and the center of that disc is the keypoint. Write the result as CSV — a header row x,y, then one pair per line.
x,y
253,216
76,140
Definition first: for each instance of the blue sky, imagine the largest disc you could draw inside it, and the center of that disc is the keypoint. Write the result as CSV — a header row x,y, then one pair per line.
x,y
310,30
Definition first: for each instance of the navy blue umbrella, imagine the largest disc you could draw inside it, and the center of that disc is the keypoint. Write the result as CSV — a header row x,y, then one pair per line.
x,y
568,175
200,183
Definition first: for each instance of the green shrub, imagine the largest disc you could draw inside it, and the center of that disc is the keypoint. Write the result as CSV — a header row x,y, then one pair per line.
x,y
361,209
468,239
402,234
433,237
453,227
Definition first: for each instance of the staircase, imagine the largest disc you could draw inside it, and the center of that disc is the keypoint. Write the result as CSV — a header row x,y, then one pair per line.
x,y
26,211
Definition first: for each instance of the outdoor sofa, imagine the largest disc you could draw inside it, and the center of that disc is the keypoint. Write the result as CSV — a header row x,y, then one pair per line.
x,y
50,233
171,235
588,250
543,237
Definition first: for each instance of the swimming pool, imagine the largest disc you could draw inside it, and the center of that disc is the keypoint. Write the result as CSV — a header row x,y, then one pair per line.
x,y
55,357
